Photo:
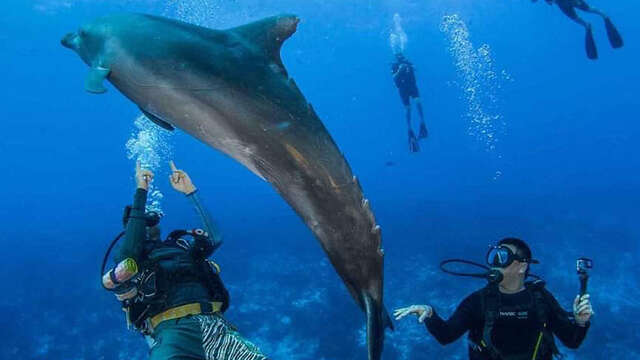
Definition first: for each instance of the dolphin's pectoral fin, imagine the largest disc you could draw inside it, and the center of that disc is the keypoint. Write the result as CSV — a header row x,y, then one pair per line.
x,y
268,35
156,120
94,81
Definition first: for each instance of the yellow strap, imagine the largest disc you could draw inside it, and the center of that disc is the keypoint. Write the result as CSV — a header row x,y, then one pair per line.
x,y
180,312
215,265
535,350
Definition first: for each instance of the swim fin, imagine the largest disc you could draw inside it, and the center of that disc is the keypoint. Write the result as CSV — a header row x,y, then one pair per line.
x,y
592,52
413,142
424,133
614,36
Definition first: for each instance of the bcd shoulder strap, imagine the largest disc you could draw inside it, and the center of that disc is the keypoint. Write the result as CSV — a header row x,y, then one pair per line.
x,y
490,305
545,340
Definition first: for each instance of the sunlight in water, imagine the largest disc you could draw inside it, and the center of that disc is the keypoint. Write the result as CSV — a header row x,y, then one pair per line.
x,y
151,145
480,83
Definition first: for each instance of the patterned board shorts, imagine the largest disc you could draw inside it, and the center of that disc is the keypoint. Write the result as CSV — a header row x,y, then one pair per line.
x,y
206,337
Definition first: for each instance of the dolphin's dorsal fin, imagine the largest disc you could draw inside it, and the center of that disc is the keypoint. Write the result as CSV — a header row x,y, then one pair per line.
x,y
269,34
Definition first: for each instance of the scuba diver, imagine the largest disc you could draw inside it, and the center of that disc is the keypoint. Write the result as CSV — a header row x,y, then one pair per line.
x,y
405,80
569,7
169,290
509,319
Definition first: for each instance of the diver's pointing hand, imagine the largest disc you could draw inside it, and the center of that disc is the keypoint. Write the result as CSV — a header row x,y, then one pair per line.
x,y
180,180
421,311
143,177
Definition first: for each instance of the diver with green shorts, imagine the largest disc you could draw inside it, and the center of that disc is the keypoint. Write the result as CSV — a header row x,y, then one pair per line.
x,y
569,7
168,289
509,319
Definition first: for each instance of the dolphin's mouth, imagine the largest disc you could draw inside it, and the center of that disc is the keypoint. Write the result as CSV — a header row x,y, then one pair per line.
x,y
70,41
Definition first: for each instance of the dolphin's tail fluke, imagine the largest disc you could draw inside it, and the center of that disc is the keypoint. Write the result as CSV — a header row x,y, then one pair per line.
x,y
377,320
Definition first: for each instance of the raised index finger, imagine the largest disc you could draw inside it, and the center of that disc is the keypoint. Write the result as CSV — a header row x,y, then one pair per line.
x,y
173,166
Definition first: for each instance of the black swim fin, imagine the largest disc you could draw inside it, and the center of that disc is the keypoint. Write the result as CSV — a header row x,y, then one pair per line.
x,y
614,36
413,142
424,133
592,52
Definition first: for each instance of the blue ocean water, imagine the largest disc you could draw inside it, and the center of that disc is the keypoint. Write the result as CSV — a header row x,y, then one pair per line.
x,y
528,138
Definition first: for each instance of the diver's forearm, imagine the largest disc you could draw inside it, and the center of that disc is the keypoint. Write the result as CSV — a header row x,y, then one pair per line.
x,y
207,222
570,333
135,232
442,330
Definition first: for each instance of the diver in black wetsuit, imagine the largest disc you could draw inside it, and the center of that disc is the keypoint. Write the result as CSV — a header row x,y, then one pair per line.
x,y
509,320
405,80
569,7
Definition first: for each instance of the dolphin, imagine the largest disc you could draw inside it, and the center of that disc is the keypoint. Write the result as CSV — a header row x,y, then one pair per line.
x,y
230,89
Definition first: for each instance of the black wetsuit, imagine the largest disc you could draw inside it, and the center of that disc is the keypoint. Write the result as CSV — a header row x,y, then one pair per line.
x,y
569,7
516,327
405,80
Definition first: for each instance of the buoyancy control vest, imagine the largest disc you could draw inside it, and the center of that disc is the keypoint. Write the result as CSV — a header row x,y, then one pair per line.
x,y
164,268
481,345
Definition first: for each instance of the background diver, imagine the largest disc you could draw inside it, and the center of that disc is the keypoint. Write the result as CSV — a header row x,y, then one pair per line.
x,y
509,319
569,7
405,80
168,289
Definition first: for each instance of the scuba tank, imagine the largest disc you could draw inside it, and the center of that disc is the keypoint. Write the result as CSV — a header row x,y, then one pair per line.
x,y
127,268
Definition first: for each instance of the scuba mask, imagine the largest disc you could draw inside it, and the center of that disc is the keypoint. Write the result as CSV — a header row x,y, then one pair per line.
x,y
500,256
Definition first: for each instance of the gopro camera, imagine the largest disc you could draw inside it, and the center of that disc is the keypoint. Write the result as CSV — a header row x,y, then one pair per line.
x,y
583,265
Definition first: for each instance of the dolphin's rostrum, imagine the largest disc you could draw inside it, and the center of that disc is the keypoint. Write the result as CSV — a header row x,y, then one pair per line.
x,y
230,90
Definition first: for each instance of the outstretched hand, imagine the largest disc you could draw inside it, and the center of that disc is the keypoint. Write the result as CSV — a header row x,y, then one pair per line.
x,y
143,177
421,311
180,180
